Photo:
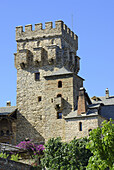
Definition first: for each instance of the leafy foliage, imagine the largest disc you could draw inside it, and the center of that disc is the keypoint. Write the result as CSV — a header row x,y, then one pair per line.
x,y
3,155
102,146
13,157
60,156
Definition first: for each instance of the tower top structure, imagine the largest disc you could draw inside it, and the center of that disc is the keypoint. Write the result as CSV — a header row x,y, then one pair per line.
x,y
60,30
50,46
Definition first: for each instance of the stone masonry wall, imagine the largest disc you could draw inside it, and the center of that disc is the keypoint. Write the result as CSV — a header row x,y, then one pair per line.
x,y
44,51
100,120
72,127
12,165
56,127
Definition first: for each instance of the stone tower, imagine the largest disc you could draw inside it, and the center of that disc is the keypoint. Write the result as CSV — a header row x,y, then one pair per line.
x,y
47,82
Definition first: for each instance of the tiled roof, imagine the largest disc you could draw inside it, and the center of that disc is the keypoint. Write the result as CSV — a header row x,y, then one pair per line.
x,y
104,100
71,114
94,105
107,111
93,112
61,71
7,110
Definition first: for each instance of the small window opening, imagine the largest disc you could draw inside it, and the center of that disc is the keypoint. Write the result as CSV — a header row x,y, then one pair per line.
x,y
22,65
80,126
58,107
59,84
59,115
39,99
7,133
37,76
2,133
89,130
59,95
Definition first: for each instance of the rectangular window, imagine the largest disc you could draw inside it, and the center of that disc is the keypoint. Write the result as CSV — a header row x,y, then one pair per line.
x,y
59,115
37,76
39,99
59,84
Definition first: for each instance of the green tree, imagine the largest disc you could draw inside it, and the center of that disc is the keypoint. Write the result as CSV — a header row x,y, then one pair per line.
x,y
70,156
101,145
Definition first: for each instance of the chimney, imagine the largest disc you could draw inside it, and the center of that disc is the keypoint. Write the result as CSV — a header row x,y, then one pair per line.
x,y
8,103
107,93
82,101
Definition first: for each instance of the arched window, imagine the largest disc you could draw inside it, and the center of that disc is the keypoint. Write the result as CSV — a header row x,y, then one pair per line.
x,y
59,84
89,130
59,95
80,126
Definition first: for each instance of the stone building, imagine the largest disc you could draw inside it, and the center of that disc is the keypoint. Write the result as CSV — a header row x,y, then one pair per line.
x,y
8,116
51,99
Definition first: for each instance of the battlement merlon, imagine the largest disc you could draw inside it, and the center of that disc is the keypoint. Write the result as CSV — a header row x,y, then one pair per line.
x,y
60,30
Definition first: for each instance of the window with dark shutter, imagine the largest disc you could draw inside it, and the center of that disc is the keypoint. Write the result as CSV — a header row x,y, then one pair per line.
x,y
59,115
80,126
37,76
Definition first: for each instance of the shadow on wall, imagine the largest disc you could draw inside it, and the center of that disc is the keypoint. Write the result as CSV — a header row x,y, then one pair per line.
x,y
26,130
6,133
67,107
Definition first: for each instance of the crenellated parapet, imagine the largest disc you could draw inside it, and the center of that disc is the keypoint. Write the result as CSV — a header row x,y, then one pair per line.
x,y
38,57
60,30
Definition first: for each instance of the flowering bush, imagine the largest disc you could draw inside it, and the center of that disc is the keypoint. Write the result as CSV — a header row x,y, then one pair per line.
x,y
31,147
35,151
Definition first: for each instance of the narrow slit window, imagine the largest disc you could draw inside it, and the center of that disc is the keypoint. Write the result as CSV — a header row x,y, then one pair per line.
x,y
80,126
59,115
59,84
37,76
51,100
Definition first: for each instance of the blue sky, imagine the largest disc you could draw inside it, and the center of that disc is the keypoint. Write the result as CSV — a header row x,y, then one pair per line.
x,y
93,22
